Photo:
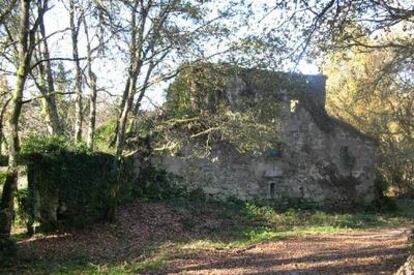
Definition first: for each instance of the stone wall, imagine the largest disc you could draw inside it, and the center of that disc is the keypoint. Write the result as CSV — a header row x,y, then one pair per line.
x,y
313,166
320,159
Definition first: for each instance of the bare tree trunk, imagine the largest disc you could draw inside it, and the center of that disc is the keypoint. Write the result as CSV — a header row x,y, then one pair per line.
x,y
49,110
92,112
127,100
137,36
10,185
123,120
93,90
49,101
122,105
74,26
141,95
119,146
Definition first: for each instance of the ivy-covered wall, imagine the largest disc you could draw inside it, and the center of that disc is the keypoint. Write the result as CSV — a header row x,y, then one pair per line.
x,y
68,186
71,188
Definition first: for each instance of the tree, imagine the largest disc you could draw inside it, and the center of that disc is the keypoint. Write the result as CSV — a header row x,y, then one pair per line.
x,y
90,14
93,91
155,37
26,45
46,84
323,25
75,22
6,9
373,91
158,33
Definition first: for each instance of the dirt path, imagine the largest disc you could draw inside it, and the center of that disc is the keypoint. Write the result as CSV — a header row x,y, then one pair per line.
x,y
380,252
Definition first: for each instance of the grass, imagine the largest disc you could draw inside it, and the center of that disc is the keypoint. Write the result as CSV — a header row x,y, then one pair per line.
x,y
266,223
218,226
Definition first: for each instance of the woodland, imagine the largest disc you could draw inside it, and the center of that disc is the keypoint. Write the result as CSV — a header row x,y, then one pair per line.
x,y
83,87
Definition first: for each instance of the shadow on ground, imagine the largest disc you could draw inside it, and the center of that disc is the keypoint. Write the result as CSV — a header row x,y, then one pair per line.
x,y
171,237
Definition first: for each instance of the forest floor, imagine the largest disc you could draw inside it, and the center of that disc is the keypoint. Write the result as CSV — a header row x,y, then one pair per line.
x,y
185,237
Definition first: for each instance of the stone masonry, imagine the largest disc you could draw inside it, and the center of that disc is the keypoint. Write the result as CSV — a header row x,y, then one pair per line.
x,y
321,160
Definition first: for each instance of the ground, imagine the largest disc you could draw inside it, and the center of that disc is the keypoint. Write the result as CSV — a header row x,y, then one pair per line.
x,y
214,238
380,252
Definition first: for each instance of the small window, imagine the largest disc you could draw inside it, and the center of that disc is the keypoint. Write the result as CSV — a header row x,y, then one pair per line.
x,y
272,190
294,105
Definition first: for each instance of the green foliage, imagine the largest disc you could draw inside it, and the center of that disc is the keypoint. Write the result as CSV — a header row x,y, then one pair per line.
x,y
50,145
2,180
199,106
156,184
150,264
371,91
198,88
104,135
291,218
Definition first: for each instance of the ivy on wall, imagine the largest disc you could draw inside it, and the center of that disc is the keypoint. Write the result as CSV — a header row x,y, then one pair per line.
x,y
68,185
209,104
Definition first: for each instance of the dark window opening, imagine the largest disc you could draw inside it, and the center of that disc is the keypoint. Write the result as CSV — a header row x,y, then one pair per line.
x,y
272,190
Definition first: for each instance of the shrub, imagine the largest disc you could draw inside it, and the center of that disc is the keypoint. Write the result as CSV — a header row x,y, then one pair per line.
x,y
157,184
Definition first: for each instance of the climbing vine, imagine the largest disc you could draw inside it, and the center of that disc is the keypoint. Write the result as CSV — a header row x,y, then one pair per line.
x,y
209,104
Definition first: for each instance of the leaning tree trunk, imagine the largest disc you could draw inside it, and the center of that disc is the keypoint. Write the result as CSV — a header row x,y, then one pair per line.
x,y
127,99
78,78
141,95
121,107
10,185
123,119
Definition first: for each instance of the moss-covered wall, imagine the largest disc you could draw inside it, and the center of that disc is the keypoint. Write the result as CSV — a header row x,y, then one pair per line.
x,y
69,188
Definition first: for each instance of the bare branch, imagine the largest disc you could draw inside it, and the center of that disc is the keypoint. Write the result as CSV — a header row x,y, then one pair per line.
x,y
46,95
56,59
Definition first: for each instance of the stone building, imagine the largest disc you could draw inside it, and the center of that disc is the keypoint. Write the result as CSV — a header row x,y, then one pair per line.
x,y
318,159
